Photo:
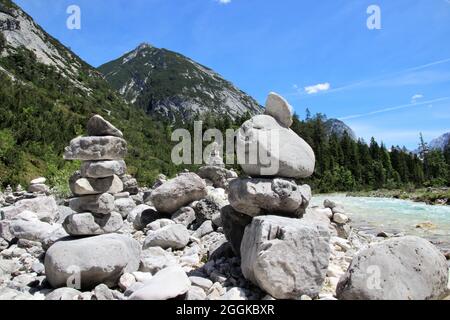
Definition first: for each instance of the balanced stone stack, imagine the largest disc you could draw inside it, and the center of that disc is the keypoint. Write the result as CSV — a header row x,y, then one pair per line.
x,y
283,254
98,180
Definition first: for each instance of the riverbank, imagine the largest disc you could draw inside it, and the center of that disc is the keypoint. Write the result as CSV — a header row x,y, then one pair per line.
x,y
431,196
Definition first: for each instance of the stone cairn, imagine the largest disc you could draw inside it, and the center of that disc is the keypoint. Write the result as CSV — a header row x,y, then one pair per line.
x,y
98,181
264,222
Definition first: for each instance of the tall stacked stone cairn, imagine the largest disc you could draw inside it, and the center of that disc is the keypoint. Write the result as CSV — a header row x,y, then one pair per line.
x,y
100,256
281,253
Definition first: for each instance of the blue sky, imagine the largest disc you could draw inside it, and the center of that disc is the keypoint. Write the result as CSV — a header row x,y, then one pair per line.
x,y
391,83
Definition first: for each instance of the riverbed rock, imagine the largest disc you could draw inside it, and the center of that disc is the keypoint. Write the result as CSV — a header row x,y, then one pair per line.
x,y
38,188
167,284
124,206
184,216
285,257
217,175
407,268
88,186
256,197
96,148
103,169
234,224
32,229
273,150
278,108
98,126
88,224
91,261
175,236
100,204
130,184
207,210
45,208
145,217
340,218
63,294
154,259
178,192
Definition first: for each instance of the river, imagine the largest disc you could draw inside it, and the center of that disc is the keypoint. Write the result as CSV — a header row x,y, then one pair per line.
x,y
395,216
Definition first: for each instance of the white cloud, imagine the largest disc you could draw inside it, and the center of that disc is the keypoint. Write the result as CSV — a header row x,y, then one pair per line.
x,y
416,97
224,1
317,88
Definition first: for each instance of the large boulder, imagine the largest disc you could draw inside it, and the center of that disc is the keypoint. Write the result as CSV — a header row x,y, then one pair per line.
x,y
103,169
266,148
178,192
175,236
98,126
234,224
217,175
168,283
96,148
89,186
100,204
278,108
45,208
154,259
27,226
88,224
91,261
407,268
285,257
256,197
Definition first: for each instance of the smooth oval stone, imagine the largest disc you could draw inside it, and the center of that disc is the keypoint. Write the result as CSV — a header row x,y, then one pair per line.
x,y
98,126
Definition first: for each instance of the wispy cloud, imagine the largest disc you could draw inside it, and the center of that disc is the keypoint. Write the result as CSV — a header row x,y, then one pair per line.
x,y
416,97
320,87
389,109
407,76
224,1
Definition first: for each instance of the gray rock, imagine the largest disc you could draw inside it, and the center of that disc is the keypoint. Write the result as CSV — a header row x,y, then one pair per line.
x,y
103,169
63,213
174,236
5,233
91,261
218,176
196,294
40,180
203,283
155,259
178,192
184,216
33,230
100,204
281,151
96,148
124,206
167,284
98,126
145,217
89,186
159,224
137,211
63,294
285,257
234,224
206,210
278,108
407,268
45,208
130,184
203,230
103,293
235,294
38,188
340,218
256,197
89,224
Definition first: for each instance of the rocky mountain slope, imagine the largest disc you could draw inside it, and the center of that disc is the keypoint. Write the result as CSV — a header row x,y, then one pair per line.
x,y
440,142
335,126
46,95
169,84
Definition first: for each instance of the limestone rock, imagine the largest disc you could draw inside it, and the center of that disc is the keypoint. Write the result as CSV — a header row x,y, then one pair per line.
x,y
178,192
100,204
184,216
407,268
278,108
285,257
91,261
234,224
219,176
88,224
103,169
154,259
124,206
98,126
45,208
167,284
88,186
174,236
96,148
266,196
273,150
